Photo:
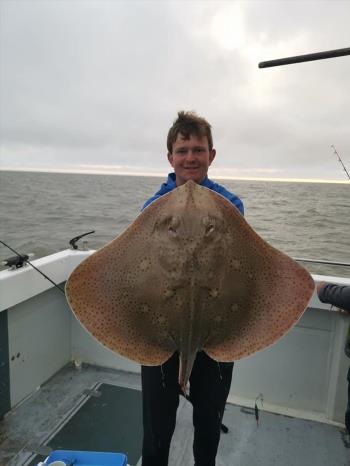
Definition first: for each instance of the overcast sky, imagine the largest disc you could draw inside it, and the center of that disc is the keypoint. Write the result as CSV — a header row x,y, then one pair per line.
x,y
96,84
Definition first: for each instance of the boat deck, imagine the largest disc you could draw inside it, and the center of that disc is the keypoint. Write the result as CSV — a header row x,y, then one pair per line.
x,y
27,429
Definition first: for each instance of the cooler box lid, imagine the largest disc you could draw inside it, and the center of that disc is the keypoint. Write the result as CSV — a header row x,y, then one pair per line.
x,y
87,458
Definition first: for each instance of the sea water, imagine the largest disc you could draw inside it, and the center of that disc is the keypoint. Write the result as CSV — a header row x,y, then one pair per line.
x,y
41,212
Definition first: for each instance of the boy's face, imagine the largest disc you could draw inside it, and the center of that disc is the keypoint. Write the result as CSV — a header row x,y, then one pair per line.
x,y
191,158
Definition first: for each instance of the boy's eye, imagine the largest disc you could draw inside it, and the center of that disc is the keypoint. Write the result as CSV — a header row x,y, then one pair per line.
x,y
195,150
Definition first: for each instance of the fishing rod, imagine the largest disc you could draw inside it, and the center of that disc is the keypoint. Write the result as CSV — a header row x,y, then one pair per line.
x,y
340,160
306,57
310,57
24,258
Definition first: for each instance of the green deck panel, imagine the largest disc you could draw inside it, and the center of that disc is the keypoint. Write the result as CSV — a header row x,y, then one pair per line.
x,y
111,422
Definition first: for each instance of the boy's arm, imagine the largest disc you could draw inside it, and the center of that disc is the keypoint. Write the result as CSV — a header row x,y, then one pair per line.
x,y
338,295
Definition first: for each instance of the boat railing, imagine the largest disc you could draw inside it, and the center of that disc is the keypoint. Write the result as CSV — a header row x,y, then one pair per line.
x,y
322,261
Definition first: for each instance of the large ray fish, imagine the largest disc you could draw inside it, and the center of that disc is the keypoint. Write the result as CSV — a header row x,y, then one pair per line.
x,y
188,274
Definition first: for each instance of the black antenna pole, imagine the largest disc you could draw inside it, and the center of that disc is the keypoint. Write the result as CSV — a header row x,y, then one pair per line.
x,y
307,57
340,160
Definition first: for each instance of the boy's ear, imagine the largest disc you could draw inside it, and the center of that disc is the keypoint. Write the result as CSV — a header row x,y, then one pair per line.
x,y
212,155
170,158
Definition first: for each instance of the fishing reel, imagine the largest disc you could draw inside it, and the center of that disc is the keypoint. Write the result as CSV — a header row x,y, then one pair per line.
x,y
16,262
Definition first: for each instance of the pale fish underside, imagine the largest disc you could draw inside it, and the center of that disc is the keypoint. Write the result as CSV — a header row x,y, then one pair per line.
x,y
188,274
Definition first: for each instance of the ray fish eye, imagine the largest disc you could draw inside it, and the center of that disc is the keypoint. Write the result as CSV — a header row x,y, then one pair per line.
x,y
209,228
173,226
172,231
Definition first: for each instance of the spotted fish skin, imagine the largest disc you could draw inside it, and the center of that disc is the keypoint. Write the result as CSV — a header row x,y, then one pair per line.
x,y
188,274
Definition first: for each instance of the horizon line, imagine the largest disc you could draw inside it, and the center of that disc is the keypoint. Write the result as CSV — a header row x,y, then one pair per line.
x,y
121,172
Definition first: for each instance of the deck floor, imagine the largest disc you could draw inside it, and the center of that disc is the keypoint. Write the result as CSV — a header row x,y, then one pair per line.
x,y
279,440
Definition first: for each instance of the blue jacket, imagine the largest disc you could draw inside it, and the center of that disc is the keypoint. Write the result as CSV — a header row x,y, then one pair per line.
x,y
171,184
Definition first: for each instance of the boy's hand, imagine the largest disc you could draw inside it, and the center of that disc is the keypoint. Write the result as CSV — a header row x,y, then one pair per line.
x,y
320,286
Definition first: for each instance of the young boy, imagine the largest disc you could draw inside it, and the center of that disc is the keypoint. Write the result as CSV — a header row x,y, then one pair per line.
x,y
190,153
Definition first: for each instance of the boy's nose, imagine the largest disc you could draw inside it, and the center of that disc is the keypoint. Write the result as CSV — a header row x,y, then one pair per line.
x,y
191,155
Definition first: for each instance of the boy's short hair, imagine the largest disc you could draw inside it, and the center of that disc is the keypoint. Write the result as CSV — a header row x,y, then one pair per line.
x,y
187,124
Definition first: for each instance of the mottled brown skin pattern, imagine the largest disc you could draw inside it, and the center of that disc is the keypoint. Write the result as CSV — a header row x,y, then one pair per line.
x,y
189,274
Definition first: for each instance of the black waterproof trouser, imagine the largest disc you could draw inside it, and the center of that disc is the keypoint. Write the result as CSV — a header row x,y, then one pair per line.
x,y
347,412
210,383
